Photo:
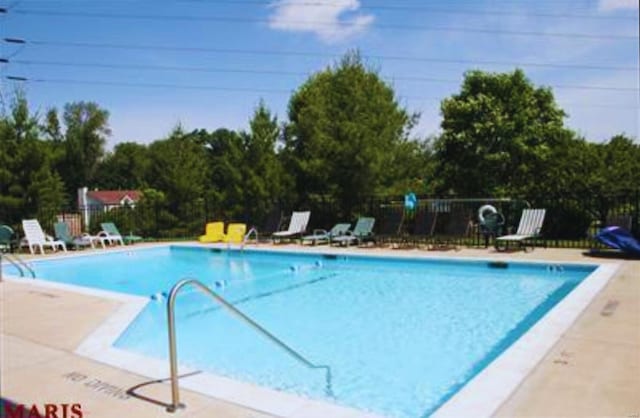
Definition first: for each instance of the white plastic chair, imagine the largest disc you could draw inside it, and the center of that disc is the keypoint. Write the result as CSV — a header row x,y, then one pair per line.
x,y
297,226
530,227
35,237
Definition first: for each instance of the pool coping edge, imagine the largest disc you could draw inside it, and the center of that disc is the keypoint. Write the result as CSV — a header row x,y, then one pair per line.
x,y
489,389
481,396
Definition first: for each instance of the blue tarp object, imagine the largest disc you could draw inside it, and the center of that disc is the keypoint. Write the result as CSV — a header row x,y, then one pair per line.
x,y
620,239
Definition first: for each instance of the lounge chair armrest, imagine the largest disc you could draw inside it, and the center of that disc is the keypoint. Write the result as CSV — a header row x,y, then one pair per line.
x,y
320,232
102,234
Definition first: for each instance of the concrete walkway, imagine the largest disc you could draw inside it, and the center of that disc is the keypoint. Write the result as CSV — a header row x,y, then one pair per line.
x,y
40,328
593,370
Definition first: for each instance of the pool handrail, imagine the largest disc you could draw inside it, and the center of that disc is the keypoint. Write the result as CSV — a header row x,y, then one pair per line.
x,y
247,236
173,352
18,263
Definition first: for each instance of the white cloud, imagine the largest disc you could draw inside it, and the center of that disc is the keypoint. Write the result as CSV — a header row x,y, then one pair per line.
x,y
330,20
610,5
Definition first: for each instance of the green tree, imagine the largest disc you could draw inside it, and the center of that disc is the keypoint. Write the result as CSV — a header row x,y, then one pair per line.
x,y
127,167
618,166
28,185
498,136
87,127
52,128
345,123
178,169
225,158
264,178
22,125
46,194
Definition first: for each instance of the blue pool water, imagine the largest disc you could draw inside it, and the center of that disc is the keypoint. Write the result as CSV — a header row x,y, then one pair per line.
x,y
401,336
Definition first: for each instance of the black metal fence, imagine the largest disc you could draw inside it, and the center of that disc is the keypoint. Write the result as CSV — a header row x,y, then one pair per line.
x,y
569,222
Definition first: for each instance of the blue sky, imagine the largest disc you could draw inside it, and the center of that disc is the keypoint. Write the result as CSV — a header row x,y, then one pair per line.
x,y
210,62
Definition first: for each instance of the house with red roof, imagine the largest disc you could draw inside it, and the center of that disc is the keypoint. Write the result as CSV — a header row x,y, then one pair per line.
x,y
113,198
92,201
107,199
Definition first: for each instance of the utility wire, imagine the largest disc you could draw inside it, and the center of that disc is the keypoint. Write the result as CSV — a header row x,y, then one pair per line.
x,y
425,9
422,9
405,2
571,3
232,89
147,85
312,54
400,27
145,67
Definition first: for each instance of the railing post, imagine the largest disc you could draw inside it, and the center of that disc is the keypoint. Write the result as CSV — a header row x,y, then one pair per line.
x,y
173,352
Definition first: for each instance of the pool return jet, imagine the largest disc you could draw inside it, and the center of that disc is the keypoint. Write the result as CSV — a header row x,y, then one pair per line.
x,y
173,352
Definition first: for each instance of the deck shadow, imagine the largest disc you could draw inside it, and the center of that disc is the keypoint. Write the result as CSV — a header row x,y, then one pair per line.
x,y
132,391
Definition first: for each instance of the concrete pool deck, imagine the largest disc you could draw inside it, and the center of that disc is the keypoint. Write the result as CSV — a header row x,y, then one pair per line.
x,y
593,370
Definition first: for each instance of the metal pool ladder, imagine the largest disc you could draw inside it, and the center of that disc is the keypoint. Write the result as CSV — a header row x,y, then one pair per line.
x,y
16,262
247,236
173,353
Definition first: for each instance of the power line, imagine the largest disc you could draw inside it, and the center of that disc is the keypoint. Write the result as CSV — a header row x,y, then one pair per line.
x,y
267,72
155,67
236,51
424,9
405,3
147,85
231,89
427,9
401,27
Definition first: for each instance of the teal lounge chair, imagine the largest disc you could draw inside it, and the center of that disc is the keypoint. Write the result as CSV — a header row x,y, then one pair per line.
x,y
361,233
7,242
61,230
110,233
321,235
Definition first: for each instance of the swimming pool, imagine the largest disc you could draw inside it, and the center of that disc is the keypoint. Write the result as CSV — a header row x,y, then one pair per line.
x,y
401,335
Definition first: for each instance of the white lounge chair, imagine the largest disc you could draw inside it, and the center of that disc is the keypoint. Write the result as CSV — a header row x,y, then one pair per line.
x,y
321,235
34,236
297,226
63,234
110,233
361,233
529,228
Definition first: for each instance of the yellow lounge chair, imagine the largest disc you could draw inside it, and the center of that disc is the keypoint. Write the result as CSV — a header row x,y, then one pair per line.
x,y
214,232
235,233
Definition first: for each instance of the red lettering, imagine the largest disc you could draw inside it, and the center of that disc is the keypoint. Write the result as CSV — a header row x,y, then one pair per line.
x,y
65,409
33,412
13,411
76,408
50,410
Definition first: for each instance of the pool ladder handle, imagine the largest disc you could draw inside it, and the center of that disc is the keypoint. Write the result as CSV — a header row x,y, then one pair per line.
x,y
247,236
17,262
173,353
